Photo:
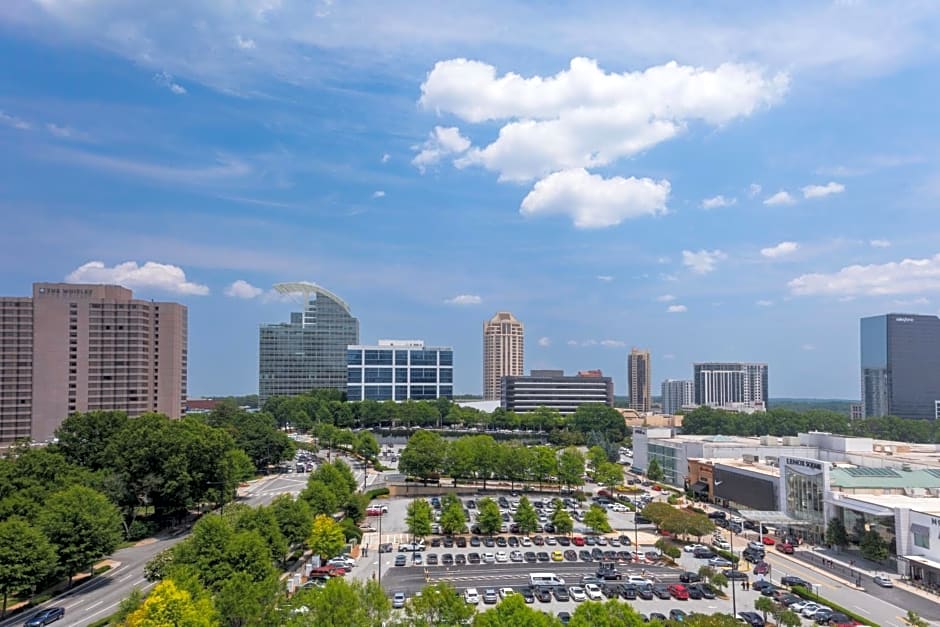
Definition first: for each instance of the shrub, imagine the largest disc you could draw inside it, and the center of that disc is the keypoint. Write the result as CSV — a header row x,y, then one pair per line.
x,y
376,493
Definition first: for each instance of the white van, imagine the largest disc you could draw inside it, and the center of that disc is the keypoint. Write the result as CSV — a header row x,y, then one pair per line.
x,y
545,579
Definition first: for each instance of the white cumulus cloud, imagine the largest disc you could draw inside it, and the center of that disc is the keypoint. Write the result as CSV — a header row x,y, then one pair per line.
x,y
545,342
150,275
666,298
677,309
703,261
879,243
819,191
586,117
464,299
442,142
593,201
908,276
780,250
243,289
782,197
718,201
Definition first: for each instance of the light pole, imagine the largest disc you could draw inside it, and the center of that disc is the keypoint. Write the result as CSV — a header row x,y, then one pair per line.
x,y
380,549
636,534
734,598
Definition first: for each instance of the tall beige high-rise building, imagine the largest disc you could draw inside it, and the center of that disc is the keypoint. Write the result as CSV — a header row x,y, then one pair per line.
x,y
503,352
638,379
75,348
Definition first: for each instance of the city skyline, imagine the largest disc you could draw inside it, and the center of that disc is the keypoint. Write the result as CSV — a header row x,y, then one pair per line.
x,y
706,183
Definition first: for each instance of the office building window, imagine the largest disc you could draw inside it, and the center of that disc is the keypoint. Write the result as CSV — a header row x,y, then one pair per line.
x,y
401,375
378,375
355,375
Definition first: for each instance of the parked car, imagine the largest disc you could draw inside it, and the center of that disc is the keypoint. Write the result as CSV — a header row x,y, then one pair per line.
x,y
679,592
489,596
733,574
793,580
700,588
719,562
593,591
751,618
785,547
761,568
577,594
883,580
471,596
677,615
398,600
400,560
768,540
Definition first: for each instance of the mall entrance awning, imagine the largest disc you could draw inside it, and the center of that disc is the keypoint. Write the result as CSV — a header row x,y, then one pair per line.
x,y
699,487
921,560
773,518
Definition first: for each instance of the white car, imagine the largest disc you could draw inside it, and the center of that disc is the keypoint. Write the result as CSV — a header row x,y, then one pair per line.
x,y
488,558
525,541
515,556
593,591
506,592
637,580
398,601
757,546
812,608
471,596
577,593
721,543
617,507
344,562
884,581
799,605
501,556
689,548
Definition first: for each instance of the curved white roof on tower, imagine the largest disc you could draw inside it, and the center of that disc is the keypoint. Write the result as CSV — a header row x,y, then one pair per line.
x,y
306,288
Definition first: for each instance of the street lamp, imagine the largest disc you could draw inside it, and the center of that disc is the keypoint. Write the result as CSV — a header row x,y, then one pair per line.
x,y
380,550
734,598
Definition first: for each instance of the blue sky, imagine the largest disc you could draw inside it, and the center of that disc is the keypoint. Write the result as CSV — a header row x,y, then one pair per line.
x,y
737,182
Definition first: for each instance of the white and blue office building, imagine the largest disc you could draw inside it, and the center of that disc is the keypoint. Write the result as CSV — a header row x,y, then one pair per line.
x,y
399,370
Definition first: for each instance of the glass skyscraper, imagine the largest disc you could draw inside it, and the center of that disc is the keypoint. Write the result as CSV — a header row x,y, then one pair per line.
x,y
399,370
900,358
309,352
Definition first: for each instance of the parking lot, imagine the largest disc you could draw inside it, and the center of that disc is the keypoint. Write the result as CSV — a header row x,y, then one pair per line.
x,y
492,566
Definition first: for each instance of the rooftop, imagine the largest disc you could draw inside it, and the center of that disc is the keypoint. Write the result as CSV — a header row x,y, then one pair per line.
x,y
926,505
861,477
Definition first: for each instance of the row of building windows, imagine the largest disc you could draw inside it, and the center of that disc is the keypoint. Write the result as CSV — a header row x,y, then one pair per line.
x,y
401,392
400,375
389,357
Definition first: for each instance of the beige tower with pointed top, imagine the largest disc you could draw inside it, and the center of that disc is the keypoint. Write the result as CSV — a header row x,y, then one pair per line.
x,y
503,352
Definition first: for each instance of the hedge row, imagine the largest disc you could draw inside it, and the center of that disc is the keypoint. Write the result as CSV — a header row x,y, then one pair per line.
x,y
376,493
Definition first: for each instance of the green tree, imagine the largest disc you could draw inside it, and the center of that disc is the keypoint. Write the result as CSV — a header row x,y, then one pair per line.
x,y
609,474
914,620
655,472
571,467
658,511
765,605
320,497
128,606
612,613
459,460
82,525
789,618
485,457
706,572
544,464
26,558
423,456
515,460
526,517
562,521
439,605
205,551
453,519
170,606
326,537
294,517
873,546
596,519
263,521
367,446
419,518
83,438
836,534
489,517
340,604
718,581
513,612
596,456
242,601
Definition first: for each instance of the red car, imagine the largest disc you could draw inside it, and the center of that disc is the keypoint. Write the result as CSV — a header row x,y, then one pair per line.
x,y
679,592
578,540
768,540
658,488
762,568
785,547
331,571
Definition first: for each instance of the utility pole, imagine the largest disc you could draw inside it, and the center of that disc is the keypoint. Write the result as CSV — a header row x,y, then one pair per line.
x,y
380,549
734,567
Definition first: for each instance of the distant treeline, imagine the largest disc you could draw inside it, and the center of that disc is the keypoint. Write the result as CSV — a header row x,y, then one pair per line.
x,y
781,421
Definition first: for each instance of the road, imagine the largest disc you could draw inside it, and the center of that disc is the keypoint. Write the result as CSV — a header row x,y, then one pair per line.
x,y
100,597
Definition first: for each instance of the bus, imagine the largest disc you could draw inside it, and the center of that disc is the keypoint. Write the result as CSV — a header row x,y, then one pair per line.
x,y
545,579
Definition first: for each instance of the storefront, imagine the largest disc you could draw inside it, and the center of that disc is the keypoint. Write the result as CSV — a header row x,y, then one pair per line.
x,y
804,484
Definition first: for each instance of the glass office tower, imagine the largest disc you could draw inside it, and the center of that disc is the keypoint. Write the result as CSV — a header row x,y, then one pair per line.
x,y
900,359
309,352
399,370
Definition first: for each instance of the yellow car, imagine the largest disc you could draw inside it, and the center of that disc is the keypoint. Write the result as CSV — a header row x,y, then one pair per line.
x,y
557,556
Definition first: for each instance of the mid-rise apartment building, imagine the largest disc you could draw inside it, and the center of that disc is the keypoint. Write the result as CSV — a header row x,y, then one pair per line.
x,y
503,352
677,393
554,390
735,385
638,380
399,370
76,348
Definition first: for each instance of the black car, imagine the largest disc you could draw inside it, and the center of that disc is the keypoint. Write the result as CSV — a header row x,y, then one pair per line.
x,y
528,596
717,515
628,591
753,555
751,618
461,542
597,554
584,555
544,595
677,615
447,559
695,592
542,556
625,540
473,558
564,540
46,616
570,556
448,542
435,542
501,541
703,553
561,593
460,559
732,574
793,580
431,559
722,522
642,520
529,556
548,528
611,591
701,588
564,618
661,590
513,541
689,577
658,616
762,584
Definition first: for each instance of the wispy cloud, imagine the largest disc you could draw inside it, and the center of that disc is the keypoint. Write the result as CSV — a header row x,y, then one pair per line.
x,y
782,197
225,168
820,191
780,250
166,80
879,243
613,343
464,299
378,194
676,309
666,298
245,43
753,190
14,122
764,303
703,261
718,201
606,278
385,158
545,342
